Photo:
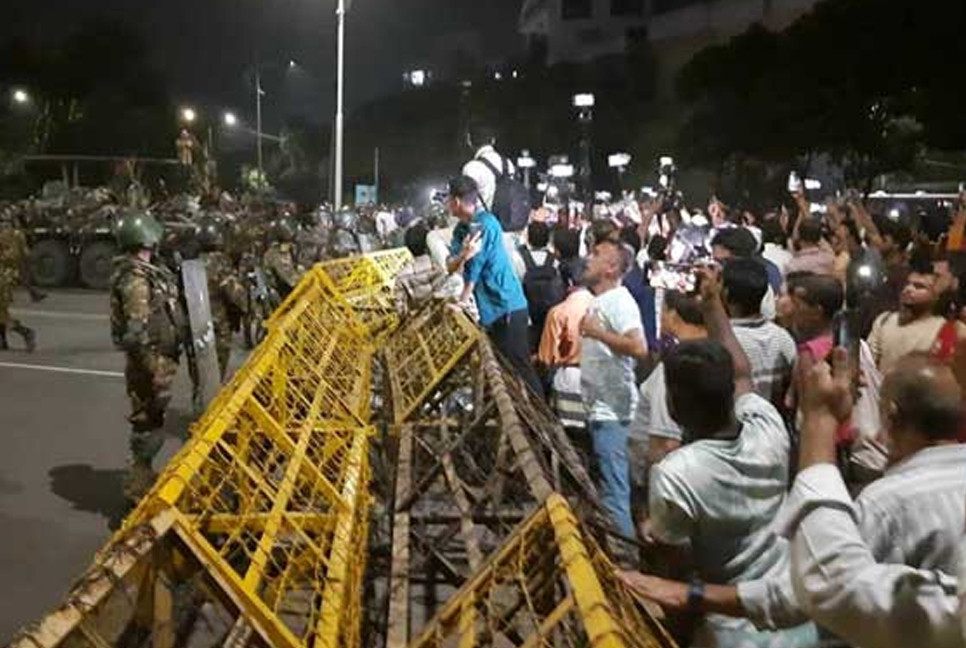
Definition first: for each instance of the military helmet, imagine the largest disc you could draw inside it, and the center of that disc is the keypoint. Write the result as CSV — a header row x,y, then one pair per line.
x,y
283,230
346,219
210,231
137,229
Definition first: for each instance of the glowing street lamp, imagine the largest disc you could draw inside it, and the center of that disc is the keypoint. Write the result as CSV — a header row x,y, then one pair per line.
x,y
527,164
189,115
20,96
231,120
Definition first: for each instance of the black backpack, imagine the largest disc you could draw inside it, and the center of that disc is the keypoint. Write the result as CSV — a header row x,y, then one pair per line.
x,y
542,285
511,201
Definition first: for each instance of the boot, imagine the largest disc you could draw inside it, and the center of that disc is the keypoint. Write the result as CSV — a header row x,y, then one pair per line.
x,y
3,339
29,337
138,481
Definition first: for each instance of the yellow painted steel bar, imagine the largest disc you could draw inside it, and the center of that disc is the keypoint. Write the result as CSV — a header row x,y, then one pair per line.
x,y
602,630
282,497
329,629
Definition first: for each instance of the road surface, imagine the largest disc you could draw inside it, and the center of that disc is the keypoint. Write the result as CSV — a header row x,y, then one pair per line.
x,y
64,449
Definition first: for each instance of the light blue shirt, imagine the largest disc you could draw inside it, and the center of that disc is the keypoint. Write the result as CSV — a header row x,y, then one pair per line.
x,y
497,289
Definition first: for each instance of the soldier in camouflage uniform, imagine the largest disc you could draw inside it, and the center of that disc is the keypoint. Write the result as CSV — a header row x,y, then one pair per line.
x,y
280,261
13,258
311,240
226,291
146,323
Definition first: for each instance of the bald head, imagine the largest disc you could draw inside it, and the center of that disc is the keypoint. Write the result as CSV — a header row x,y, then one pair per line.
x,y
923,397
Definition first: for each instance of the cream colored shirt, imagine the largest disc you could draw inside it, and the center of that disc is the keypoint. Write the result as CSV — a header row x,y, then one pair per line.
x,y
890,341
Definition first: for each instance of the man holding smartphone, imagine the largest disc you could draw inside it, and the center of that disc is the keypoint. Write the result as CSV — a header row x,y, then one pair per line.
x,y
477,250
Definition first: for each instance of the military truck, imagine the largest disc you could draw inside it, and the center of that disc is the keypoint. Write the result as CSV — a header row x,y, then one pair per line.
x,y
70,235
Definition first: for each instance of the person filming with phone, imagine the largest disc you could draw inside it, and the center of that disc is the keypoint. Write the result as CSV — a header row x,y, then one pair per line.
x,y
477,250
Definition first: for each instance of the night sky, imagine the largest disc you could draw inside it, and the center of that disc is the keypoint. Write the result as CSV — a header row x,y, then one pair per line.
x,y
205,47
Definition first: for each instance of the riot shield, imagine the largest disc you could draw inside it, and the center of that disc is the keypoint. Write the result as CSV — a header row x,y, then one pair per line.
x,y
261,303
201,337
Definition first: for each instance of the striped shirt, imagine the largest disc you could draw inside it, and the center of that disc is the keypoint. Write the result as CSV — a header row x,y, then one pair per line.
x,y
914,516
772,354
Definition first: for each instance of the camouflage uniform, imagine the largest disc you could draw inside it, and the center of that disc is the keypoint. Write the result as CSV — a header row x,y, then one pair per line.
x,y
146,323
13,257
281,268
229,299
311,242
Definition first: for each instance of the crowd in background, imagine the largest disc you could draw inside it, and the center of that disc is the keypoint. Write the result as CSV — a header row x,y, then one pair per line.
x,y
782,434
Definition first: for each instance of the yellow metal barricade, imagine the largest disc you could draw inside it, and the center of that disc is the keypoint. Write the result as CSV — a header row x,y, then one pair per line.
x,y
422,353
257,532
548,585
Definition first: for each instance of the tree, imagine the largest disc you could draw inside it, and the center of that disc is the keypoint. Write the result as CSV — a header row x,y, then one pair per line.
x,y
867,82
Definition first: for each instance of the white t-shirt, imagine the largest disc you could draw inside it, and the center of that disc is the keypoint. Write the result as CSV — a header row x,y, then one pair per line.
x,y
652,417
720,497
607,379
484,177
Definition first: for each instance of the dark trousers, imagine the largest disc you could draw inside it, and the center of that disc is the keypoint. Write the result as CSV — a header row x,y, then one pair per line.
x,y
511,335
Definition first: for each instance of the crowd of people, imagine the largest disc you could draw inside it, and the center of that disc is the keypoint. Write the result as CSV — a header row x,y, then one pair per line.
x,y
782,435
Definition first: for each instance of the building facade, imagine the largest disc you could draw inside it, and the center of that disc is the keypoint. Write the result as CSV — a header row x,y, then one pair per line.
x,y
578,31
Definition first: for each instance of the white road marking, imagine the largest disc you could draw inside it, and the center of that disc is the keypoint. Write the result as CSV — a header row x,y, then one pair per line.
x,y
66,370
91,317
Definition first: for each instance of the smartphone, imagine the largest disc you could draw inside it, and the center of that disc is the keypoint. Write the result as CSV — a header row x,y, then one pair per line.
x,y
843,336
674,276
794,183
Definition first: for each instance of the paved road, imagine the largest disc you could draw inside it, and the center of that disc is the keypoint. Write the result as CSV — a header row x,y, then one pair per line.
x,y
63,449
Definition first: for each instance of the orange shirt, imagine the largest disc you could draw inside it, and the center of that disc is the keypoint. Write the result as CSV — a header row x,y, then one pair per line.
x,y
560,342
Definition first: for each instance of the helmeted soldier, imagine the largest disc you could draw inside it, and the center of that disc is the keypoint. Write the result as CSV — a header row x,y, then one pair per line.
x,y
147,324
312,239
13,258
226,291
280,261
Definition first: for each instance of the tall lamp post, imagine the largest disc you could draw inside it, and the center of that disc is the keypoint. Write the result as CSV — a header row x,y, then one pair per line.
x,y
258,118
527,163
584,103
340,101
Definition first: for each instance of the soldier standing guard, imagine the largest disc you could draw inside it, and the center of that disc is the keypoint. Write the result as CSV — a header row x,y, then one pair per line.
x,y
13,257
280,261
226,291
146,323
186,145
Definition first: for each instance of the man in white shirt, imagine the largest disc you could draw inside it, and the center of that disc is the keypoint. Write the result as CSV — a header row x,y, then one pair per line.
x,y
713,500
835,575
482,140
612,338
895,549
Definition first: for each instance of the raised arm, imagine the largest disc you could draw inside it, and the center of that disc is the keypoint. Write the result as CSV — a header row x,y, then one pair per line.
x,y
864,220
719,328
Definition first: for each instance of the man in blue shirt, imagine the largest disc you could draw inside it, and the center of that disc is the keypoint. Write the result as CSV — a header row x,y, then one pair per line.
x,y
477,250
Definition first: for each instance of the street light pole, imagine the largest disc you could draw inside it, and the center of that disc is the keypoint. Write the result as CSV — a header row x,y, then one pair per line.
x,y
258,117
340,100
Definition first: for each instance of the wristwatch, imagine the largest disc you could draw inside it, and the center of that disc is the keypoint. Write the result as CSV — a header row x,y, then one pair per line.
x,y
696,592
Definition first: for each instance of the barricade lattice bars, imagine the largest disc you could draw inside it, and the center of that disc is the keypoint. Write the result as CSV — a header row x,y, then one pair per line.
x,y
261,515
258,531
548,585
